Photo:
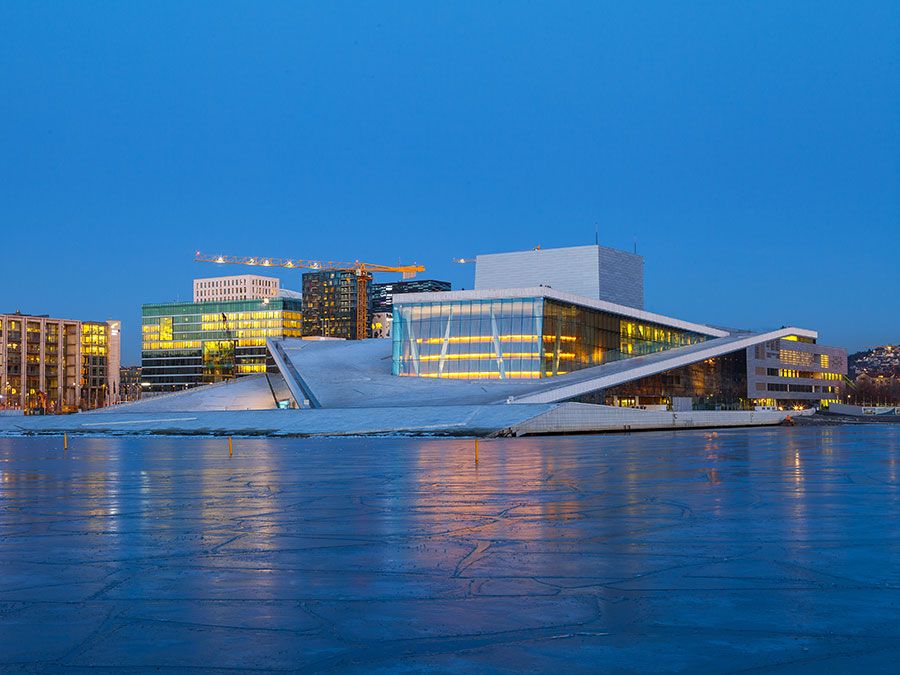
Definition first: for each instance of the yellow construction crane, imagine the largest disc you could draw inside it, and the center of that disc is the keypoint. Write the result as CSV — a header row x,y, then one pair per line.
x,y
363,271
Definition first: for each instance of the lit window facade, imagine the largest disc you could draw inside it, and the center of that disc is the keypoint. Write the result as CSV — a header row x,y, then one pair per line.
x,y
52,365
331,304
191,343
795,371
518,338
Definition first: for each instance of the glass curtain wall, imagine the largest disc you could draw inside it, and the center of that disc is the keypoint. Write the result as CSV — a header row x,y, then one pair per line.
x,y
186,344
518,338
473,339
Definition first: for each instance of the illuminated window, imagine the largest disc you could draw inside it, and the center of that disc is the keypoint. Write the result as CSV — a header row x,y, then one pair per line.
x,y
165,328
795,358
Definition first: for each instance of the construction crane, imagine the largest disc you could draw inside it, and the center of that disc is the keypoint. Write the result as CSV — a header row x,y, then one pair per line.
x,y
362,270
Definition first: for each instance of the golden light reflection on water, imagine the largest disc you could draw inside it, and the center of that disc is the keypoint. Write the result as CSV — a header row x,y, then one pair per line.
x,y
525,495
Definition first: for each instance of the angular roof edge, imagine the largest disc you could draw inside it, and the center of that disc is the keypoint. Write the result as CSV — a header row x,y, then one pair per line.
x,y
588,380
563,296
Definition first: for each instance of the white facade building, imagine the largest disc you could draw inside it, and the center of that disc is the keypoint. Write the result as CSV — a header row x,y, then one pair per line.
x,y
240,287
591,271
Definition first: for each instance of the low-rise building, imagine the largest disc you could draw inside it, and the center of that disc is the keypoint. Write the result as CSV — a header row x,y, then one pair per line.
x,y
50,365
185,344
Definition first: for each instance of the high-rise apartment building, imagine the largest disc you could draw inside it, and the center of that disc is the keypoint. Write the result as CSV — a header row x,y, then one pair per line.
x,y
52,365
335,304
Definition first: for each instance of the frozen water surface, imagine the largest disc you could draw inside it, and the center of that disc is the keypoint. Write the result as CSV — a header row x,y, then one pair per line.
x,y
774,549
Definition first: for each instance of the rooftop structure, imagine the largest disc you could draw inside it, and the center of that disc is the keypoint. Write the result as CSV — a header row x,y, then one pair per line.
x,y
591,271
235,287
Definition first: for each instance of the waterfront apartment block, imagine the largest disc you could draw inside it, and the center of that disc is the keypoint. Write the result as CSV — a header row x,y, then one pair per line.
x,y
237,287
185,344
50,365
591,271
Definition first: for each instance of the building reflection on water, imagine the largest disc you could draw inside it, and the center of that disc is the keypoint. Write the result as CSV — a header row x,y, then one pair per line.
x,y
374,518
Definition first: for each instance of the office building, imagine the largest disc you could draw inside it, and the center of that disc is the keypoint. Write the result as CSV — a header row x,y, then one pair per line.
x,y
185,344
381,301
591,271
50,365
238,287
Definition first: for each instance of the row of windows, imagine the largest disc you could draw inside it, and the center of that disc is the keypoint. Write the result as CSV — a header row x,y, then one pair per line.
x,y
798,388
151,312
514,338
233,318
794,357
227,282
789,372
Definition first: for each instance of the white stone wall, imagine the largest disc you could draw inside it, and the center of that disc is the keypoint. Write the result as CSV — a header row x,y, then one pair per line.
x,y
621,277
592,271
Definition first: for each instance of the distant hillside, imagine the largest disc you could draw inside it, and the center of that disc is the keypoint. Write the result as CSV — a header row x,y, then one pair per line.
x,y
884,361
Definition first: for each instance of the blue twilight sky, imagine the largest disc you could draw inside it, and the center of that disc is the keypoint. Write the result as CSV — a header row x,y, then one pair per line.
x,y
751,149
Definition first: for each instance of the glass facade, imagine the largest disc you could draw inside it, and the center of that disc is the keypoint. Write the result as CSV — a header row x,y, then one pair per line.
x,y
518,338
186,344
717,383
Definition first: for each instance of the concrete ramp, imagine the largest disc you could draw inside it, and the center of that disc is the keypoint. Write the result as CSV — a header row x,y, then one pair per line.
x,y
251,392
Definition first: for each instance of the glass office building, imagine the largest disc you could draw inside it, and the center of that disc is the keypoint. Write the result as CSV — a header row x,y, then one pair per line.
x,y
186,344
519,337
